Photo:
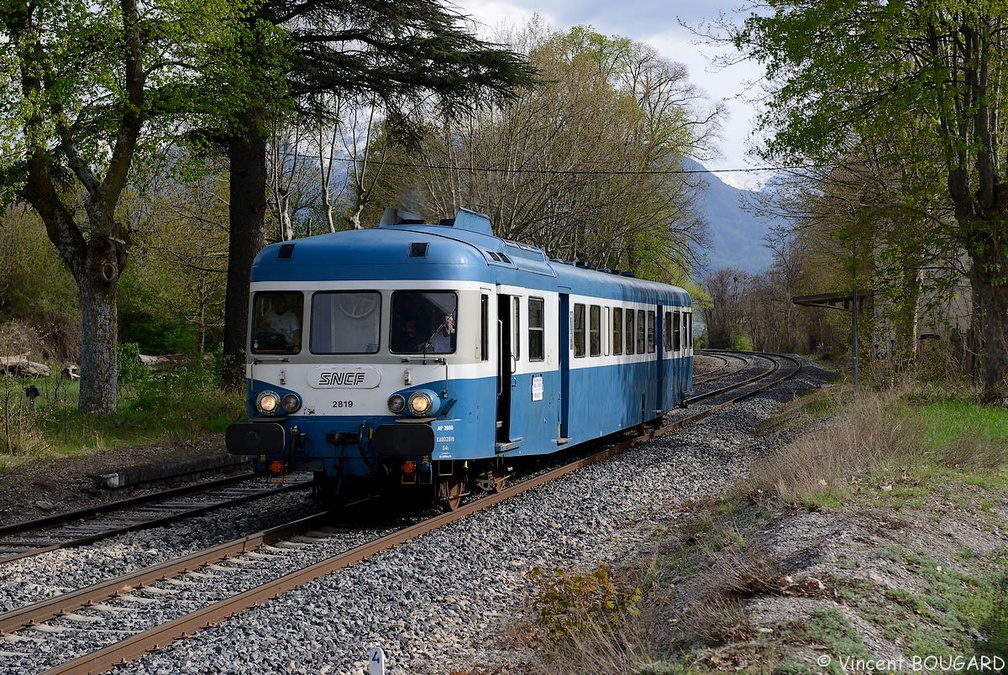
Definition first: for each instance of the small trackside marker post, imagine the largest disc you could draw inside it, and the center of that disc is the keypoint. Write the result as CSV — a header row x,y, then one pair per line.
x,y
376,661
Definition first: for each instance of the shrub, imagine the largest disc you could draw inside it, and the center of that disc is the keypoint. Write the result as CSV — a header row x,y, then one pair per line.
x,y
567,603
131,369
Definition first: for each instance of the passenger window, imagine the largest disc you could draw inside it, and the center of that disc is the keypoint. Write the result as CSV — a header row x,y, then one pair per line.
x,y
345,322
650,331
595,330
629,331
276,320
537,329
617,331
640,331
667,333
579,330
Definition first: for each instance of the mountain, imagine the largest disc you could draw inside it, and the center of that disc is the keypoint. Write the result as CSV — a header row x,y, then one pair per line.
x,y
736,233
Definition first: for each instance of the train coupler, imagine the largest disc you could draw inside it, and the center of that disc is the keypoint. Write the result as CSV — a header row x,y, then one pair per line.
x,y
277,473
408,472
413,472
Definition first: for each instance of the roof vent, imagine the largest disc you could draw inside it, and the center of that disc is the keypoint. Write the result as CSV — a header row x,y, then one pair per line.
x,y
418,249
504,258
286,251
494,256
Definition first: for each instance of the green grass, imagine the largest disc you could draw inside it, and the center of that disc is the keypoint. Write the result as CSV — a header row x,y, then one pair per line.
x,y
946,423
183,406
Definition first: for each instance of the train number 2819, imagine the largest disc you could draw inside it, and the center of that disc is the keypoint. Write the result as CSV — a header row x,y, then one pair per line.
x,y
342,404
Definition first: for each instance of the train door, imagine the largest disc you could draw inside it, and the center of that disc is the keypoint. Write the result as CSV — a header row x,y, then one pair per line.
x,y
563,336
660,362
505,368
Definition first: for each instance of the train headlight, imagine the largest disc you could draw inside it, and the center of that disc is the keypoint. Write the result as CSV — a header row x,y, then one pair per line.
x,y
291,403
268,403
421,404
396,403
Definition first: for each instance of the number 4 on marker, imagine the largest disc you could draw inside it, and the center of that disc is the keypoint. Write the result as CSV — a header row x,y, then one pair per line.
x,y
376,661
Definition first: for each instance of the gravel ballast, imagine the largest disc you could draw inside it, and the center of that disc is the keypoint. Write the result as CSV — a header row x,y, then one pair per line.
x,y
439,603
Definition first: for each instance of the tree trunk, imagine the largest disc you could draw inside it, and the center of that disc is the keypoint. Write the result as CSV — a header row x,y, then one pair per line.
x,y
990,293
98,358
247,155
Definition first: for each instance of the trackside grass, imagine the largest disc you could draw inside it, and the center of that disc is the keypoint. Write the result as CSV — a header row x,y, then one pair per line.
x,y
177,406
876,539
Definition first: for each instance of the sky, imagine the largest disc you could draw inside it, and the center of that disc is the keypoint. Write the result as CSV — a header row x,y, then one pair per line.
x,y
657,23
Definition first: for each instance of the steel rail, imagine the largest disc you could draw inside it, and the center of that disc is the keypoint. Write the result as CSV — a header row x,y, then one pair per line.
x,y
159,637
154,522
139,500
55,607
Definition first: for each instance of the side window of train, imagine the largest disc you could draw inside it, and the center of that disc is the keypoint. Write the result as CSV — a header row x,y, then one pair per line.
x,y
484,327
516,328
667,333
536,329
629,331
676,331
689,330
617,331
651,331
640,331
595,330
579,330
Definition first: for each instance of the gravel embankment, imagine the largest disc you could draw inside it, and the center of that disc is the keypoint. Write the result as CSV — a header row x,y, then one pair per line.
x,y
434,605
440,603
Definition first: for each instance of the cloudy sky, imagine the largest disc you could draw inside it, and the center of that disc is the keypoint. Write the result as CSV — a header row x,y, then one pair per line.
x,y
657,23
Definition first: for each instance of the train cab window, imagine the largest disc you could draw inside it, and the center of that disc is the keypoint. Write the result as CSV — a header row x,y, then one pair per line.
x,y
277,319
617,331
346,322
579,330
667,333
595,330
536,329
630,331
651,331
423,322
676,331
641,338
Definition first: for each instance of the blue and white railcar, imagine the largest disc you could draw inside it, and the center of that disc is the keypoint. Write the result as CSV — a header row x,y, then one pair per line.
x,y
436,354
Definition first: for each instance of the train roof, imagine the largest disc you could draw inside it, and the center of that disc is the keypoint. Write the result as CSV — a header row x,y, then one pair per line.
x,y
461,248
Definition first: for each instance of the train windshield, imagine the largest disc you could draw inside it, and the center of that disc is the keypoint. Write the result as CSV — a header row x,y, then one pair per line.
x,y
345,322
276,321
423,322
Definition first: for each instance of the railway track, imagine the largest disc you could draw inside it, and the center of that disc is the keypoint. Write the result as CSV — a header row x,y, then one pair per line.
x,y
307,545
86,526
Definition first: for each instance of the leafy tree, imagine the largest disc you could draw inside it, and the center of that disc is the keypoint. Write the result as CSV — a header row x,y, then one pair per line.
x,y
172,296
80,80
35,286
925,76
582,165
291,52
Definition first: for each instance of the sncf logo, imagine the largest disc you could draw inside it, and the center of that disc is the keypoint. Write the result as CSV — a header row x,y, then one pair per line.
x,y
358,377
353,378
